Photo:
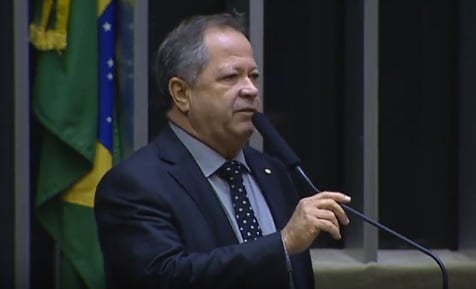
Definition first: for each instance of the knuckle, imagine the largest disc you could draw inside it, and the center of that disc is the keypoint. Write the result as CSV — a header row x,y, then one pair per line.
x,y
303,202
326,194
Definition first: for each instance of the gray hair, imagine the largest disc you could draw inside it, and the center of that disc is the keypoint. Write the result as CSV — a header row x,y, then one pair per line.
x,y
184,54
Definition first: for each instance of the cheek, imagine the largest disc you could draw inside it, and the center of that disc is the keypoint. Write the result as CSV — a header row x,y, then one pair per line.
x,y
213,106
220,106
208,113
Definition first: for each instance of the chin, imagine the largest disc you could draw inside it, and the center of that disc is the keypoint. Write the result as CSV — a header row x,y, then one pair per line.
x,y
242,129
245,132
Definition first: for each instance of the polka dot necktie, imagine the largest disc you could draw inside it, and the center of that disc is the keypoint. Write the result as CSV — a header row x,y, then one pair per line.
x,y
231,172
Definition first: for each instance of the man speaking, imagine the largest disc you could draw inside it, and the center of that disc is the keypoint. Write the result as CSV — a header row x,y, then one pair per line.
x,y
198,207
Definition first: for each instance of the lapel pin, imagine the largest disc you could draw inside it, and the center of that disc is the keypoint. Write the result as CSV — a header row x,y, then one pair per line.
x,y
267,171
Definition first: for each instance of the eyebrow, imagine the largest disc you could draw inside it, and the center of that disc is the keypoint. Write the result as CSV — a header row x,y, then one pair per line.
x,y
231,67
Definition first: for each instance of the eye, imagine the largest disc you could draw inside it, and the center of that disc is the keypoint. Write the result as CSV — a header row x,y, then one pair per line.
x,y
254,76
230,76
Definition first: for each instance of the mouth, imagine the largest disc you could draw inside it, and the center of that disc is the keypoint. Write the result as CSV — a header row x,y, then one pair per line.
x,y
246,110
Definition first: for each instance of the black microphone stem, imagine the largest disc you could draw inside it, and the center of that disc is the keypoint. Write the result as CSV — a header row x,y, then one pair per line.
x,y
291,160
304,177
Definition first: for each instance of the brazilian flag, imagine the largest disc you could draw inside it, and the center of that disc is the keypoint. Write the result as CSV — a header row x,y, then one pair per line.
x,y
73,100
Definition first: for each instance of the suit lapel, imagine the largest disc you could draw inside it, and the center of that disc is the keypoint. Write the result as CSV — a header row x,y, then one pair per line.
x,y
268,181
188,175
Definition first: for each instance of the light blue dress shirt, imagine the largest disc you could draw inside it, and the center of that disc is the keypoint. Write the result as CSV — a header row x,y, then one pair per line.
x,y
209,161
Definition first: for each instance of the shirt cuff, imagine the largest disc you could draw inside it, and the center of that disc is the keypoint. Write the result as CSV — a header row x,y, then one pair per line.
x,y
288,260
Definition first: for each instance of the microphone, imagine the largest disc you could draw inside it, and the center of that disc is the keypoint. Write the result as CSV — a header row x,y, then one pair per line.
x,y
290,159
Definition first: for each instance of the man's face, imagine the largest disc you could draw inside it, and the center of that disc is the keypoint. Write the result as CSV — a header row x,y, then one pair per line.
x,y
225,95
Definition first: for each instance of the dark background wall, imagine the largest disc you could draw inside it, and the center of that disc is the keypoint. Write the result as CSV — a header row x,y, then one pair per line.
x,y
305,95
418,121
303,85
6,147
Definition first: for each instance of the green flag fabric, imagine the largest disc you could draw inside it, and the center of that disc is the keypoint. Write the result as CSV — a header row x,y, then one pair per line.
x,y
72,98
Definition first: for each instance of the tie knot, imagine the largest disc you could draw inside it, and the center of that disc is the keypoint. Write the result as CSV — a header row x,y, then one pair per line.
x,y
231,171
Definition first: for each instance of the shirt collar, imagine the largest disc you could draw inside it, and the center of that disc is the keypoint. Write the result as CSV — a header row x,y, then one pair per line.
x,y
207,159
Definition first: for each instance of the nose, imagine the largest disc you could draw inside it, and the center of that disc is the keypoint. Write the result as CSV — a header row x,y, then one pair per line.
x,y
249,89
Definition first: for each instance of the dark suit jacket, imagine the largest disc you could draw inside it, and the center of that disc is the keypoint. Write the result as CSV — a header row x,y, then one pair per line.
x,y
161,225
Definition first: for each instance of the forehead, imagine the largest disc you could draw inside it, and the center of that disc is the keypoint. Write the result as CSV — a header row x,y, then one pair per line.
x,y
226,46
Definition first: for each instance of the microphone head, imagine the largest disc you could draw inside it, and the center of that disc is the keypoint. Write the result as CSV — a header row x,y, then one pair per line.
x,y
277,144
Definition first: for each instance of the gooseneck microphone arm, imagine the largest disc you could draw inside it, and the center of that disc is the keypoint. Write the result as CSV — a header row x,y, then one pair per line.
x,y
289,157
435,257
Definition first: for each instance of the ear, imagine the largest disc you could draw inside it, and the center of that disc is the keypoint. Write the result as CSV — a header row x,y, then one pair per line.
x,y
179,90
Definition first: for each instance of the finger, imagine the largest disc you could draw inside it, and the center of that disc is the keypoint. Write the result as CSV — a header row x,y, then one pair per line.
x,y
329,227
327,215
311,211
338,211
340,214
336,196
